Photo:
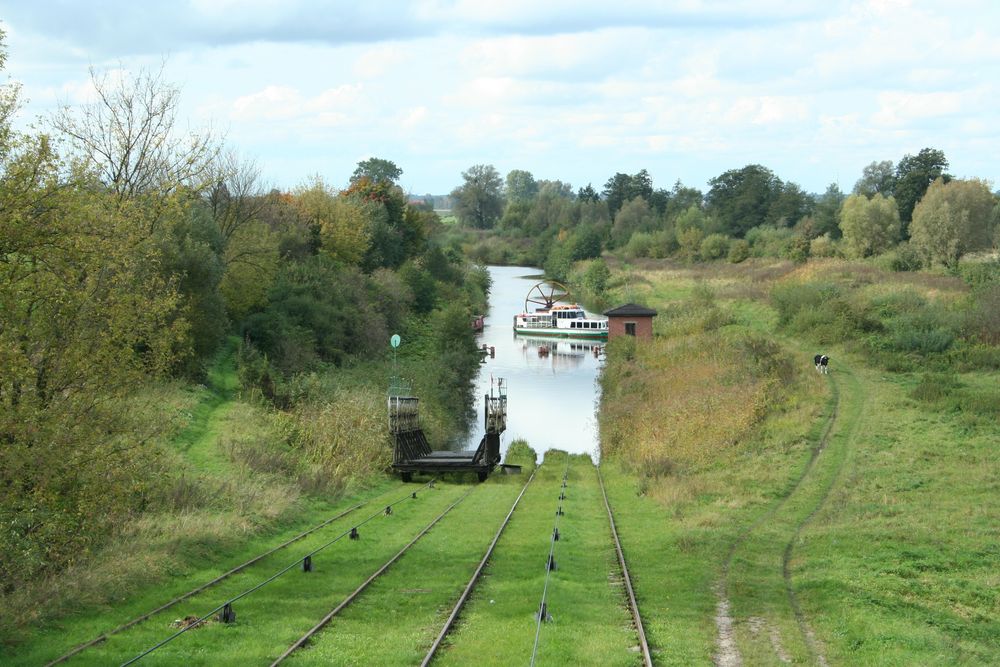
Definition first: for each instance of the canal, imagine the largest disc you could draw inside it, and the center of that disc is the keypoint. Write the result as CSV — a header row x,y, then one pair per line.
x,y
552,399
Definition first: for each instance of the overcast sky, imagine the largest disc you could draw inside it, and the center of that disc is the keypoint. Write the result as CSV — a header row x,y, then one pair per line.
x,y
567,89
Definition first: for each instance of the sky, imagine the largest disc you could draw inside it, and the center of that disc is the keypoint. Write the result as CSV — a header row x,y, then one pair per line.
x,y
572,90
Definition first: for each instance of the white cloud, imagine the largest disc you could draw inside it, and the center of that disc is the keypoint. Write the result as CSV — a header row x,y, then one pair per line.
x,y
898,109
333,106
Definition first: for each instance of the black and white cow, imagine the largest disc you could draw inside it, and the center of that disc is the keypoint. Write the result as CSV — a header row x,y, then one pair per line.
x,y
822,361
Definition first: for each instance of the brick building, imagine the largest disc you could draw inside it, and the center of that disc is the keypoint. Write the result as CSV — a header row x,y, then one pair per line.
x,y
630,320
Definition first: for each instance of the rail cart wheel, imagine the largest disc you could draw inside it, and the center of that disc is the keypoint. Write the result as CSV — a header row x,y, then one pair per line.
x,y
546,295
483,475
406,476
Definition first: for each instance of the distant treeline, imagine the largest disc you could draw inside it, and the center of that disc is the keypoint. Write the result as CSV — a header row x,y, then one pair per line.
x,y
913,213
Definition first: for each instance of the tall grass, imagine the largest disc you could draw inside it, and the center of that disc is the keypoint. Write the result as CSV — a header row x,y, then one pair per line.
x,y
682,401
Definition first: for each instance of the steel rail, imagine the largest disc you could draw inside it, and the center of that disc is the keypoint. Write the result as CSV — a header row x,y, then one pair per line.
x,y
542,611
647,658
475,578
274,576
239,568
350,598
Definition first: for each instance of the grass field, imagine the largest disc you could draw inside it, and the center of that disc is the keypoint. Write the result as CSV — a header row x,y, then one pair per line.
x,y
857,524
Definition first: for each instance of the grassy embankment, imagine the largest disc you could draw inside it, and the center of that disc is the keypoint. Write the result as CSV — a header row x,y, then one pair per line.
x,y
849,519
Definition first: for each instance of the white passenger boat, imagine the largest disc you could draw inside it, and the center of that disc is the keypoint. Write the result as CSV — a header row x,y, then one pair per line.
x,y
553,318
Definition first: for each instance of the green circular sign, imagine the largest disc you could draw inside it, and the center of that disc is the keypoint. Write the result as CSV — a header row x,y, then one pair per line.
x,y
394,341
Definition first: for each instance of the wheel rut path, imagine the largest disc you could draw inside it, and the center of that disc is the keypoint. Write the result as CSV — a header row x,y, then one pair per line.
x,y
777,531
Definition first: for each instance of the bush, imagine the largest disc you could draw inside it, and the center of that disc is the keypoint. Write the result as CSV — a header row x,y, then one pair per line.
x,y
790,298
796,249
904,257
739,251
767,240
979,275
934,387
982,320
822,246
714,246
640,245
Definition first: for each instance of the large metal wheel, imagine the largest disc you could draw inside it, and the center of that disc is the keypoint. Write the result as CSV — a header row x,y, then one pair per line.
x,y
546,295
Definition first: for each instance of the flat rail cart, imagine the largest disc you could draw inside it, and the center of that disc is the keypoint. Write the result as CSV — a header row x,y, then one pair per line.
x,y
412,453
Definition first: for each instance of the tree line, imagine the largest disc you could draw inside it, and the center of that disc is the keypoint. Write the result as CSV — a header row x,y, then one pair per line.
x,y
913,210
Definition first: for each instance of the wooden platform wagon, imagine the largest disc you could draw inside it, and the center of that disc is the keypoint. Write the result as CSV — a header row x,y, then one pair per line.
x,y
412,453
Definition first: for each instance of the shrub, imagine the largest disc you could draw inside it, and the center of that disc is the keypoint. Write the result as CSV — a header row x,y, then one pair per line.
x,y
714,246
796,249
822,246
739,251
934,387
904,257
979,275
790,298
639,245
982,320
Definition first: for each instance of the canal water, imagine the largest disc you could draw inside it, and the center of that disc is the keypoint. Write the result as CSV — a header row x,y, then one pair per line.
x,y
551,400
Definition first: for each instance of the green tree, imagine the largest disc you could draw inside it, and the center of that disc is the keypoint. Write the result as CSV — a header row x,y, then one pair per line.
x,y
869,226
914,174
85,318
876,178
377,170
682,198
952,219
741,199
634,216
790,204
478,202
588,194
826,213
622,188
596,277
238,204
520,187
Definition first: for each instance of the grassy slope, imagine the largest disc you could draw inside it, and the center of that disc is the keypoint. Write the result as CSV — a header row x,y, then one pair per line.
x,y
893,530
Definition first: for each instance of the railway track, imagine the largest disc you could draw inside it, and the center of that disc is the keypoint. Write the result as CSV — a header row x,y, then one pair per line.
x,y
551,596
104,636
647,658
331,635
464,597
304,639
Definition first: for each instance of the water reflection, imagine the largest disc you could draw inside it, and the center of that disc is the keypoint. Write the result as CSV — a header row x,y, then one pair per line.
x,y
552,383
